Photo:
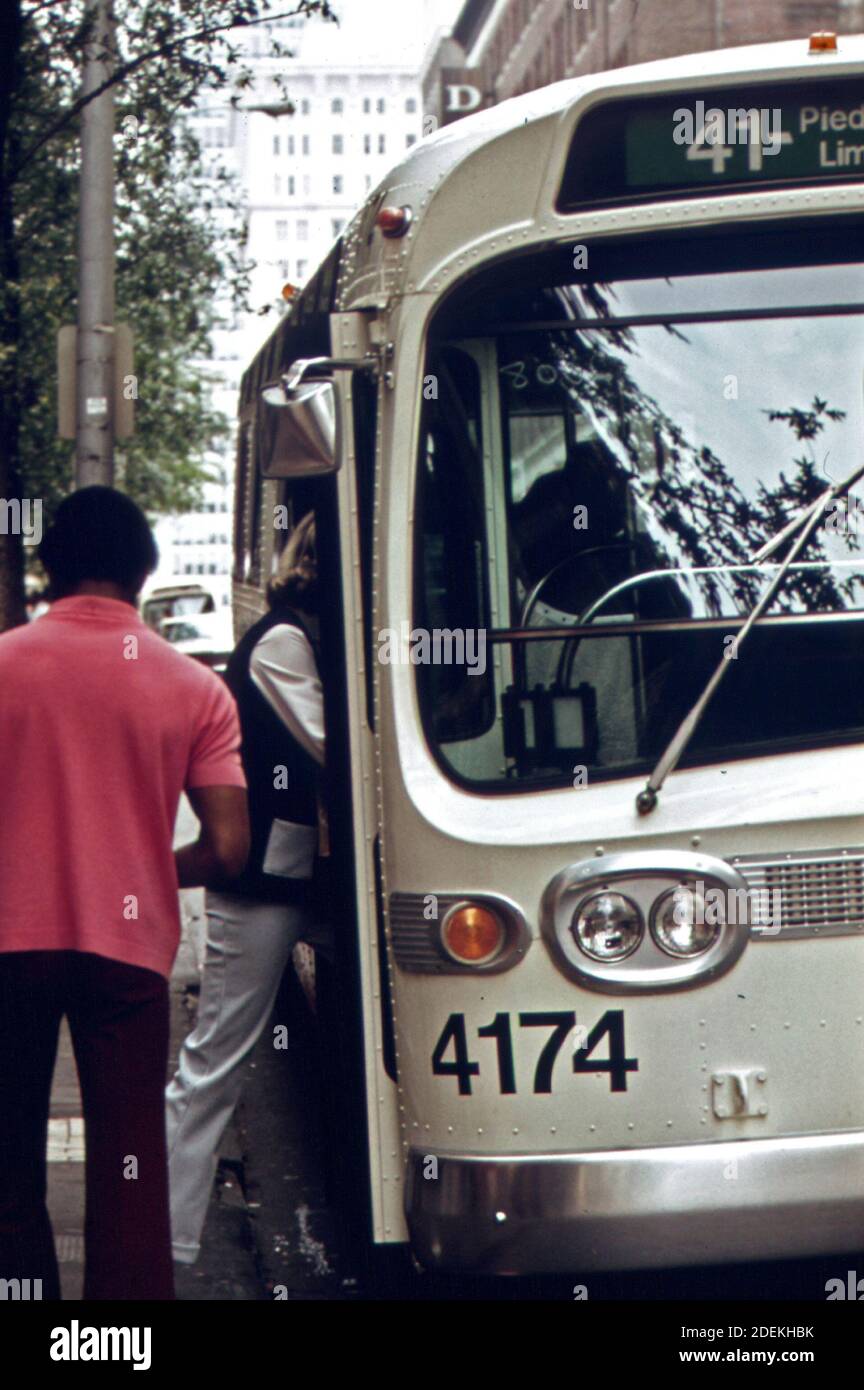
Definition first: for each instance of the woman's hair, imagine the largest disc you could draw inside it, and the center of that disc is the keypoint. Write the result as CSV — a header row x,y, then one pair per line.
x,y
98,533
295,583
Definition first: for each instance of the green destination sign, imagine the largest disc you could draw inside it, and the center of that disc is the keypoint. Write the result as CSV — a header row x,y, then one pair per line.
x,y
787,133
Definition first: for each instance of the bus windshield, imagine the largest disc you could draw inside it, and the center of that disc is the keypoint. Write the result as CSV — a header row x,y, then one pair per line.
x,y
613,434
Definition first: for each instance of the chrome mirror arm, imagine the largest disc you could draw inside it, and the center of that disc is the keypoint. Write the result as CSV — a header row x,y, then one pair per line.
x,y
294,378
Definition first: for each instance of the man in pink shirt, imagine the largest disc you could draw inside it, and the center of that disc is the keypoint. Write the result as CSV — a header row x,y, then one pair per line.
x,y
102,726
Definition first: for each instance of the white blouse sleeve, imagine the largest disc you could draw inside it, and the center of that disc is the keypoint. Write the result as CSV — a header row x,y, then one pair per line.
x,y
284,670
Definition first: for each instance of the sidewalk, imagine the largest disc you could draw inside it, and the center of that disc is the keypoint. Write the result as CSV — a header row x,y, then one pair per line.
x,y
227,1267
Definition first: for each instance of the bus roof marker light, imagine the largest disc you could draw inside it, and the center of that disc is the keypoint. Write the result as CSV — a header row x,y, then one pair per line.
x,y
823,41
393,221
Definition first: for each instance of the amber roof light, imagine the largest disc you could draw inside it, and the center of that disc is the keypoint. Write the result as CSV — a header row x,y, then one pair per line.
x,y
823,42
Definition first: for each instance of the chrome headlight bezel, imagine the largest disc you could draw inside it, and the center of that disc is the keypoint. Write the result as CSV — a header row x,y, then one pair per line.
x,y
645,877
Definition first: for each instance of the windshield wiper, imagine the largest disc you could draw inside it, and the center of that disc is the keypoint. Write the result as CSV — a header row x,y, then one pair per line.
x,y
808,519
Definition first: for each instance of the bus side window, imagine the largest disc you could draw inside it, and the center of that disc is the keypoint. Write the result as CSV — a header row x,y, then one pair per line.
x,y
452,563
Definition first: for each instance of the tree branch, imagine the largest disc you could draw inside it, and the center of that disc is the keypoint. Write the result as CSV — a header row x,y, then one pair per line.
x,y
307,7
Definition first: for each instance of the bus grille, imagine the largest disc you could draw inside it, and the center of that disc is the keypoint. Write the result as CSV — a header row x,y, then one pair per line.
x,y
819,894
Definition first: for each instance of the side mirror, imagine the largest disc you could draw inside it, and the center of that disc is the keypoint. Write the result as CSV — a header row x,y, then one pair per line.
x,y
296,430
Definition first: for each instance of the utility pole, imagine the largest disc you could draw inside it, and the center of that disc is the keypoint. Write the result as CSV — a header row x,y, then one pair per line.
x,y
95,389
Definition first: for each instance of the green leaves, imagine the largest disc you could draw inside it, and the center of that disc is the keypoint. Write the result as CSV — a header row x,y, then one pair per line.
x,y
179,235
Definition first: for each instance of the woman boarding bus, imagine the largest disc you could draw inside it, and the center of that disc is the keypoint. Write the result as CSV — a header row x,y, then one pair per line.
x,y
577,403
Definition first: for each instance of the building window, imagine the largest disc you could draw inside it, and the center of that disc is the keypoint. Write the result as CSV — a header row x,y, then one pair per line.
x,y
381,106
302,231
301,269
305,144
291,186
338,183
281,231
304,107
290,144
410,140
411,105
382,144
277,186
367,106
367,144
337,106
338,144
337,224
275,144
368,182
307,184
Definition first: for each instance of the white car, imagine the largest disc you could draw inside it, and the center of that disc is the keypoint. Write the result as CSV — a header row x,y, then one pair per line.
x,y
206,636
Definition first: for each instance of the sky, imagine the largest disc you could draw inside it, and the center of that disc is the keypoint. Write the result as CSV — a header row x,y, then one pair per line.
x,y
384,29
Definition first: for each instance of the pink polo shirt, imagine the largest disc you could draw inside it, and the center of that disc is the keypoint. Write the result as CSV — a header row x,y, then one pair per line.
x,y
102,725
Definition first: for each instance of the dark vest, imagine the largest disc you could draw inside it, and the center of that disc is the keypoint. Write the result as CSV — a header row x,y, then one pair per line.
x,y
270,755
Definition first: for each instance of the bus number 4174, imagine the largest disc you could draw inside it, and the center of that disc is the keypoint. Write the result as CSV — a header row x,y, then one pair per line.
x,y
454,1040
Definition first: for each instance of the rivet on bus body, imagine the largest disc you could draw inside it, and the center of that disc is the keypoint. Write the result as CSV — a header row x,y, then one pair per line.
x,y
599,851
479,1131
668,1124
822,1023
500,1216
631,1126
696,841
515,1131
592,1128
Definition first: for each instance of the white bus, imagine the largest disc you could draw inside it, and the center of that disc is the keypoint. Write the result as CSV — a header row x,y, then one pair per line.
x,y
577,400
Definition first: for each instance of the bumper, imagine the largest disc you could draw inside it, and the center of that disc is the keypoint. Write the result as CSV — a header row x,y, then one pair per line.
x,y
636,1209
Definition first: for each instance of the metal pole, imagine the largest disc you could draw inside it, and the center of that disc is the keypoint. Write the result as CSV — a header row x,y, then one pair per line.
x,y
94,436
719,24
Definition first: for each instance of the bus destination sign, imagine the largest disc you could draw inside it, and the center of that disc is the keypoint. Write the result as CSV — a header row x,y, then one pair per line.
x,y
781,134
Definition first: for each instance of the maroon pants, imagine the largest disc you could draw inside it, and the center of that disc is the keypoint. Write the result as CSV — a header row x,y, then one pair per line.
x,y
118,1018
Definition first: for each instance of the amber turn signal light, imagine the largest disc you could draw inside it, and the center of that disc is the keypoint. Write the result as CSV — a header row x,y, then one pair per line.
x,y
823,42
471,934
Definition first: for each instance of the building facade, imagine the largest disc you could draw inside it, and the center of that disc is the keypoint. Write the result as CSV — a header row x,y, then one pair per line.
x,y
301,174
502,48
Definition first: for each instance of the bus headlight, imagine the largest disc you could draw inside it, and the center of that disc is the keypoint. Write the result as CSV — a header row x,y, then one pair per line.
x,y
607,926
679,924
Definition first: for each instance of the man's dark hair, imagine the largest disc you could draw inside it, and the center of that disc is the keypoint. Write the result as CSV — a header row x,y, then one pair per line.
x,y
98,533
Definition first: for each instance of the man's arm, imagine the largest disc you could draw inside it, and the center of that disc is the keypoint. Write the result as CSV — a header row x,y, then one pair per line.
x,y
222,848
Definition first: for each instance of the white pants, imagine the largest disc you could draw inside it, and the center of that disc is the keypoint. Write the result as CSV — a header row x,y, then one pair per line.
x,y
248,946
